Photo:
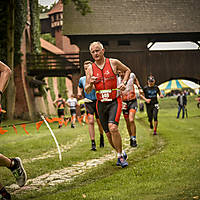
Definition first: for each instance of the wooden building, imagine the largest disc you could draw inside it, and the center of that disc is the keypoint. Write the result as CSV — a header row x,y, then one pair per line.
x,y
126,27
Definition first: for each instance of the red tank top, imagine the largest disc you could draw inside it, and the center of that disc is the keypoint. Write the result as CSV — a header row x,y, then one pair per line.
x,y
106,83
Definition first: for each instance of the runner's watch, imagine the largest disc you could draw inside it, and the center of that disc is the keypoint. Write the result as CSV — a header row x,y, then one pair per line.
x,y
125,82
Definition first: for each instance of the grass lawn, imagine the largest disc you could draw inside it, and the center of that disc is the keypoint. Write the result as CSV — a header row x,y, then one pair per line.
x,y
166,166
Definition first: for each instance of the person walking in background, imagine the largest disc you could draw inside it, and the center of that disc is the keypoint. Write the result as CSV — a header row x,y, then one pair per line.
x,y
72,103
129,105
103,76
90,104
13,164
182,102
81,104
150,92
60,103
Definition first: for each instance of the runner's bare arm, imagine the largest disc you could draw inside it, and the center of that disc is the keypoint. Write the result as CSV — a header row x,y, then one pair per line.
x,y
143,97
55,102
136,81
5,75
89,83
64,102
118,65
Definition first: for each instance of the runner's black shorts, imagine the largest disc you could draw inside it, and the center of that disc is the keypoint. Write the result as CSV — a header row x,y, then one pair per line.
x,y
129,106
60,112
82,112
91,108
152,112
109,112
73,112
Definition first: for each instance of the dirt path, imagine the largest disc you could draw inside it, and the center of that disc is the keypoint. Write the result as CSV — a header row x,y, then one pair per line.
x,y
64,175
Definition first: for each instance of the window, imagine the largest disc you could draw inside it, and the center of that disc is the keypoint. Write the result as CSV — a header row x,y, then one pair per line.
x,y
123,43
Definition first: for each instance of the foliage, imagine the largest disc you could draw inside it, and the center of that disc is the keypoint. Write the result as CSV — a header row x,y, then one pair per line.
x,y
3,31
45,9
49,38
62,87
81,5
50,84
35,27
20,21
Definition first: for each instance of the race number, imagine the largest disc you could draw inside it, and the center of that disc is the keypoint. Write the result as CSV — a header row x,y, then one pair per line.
x,y
156,106
105,94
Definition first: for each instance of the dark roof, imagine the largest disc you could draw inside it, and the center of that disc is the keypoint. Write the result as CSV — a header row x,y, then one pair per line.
x,y
133,17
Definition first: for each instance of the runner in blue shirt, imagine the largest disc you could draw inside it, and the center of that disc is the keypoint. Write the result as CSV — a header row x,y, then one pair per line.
x,y
90,104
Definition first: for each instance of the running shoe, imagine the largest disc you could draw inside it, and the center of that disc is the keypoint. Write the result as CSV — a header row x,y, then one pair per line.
x,y
122,162
154,133
151,125
19,172
72,126
133,143
93,147
125,156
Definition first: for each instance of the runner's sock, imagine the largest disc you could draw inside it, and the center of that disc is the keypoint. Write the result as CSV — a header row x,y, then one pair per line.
x,y
133,137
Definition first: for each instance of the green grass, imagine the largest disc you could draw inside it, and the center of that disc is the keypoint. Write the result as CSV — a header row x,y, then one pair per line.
x,y
166,166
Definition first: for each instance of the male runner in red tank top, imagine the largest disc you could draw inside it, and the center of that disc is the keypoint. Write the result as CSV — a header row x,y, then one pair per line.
x,y
102,76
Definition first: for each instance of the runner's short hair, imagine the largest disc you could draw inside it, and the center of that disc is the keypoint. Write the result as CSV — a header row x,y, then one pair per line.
x,y
94,43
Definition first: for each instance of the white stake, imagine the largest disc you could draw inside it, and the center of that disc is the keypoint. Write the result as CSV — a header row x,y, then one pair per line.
x,y
54,137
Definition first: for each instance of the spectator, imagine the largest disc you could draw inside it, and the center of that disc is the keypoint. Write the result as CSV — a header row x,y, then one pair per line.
x,y
182,102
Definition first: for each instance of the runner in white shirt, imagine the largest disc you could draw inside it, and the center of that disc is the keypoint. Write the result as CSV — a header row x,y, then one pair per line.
x,y
72,103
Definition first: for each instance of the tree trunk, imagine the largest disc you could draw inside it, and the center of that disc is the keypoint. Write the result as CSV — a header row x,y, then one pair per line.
x,y
11,90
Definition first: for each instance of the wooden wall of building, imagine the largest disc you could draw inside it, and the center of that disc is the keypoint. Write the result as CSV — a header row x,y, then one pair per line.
x,y
164,65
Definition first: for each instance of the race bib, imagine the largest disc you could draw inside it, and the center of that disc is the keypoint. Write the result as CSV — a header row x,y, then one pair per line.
x,y
105,94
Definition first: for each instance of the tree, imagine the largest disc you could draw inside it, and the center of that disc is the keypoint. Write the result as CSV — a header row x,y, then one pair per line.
x,y
10,59
81,5
13,18
45,9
